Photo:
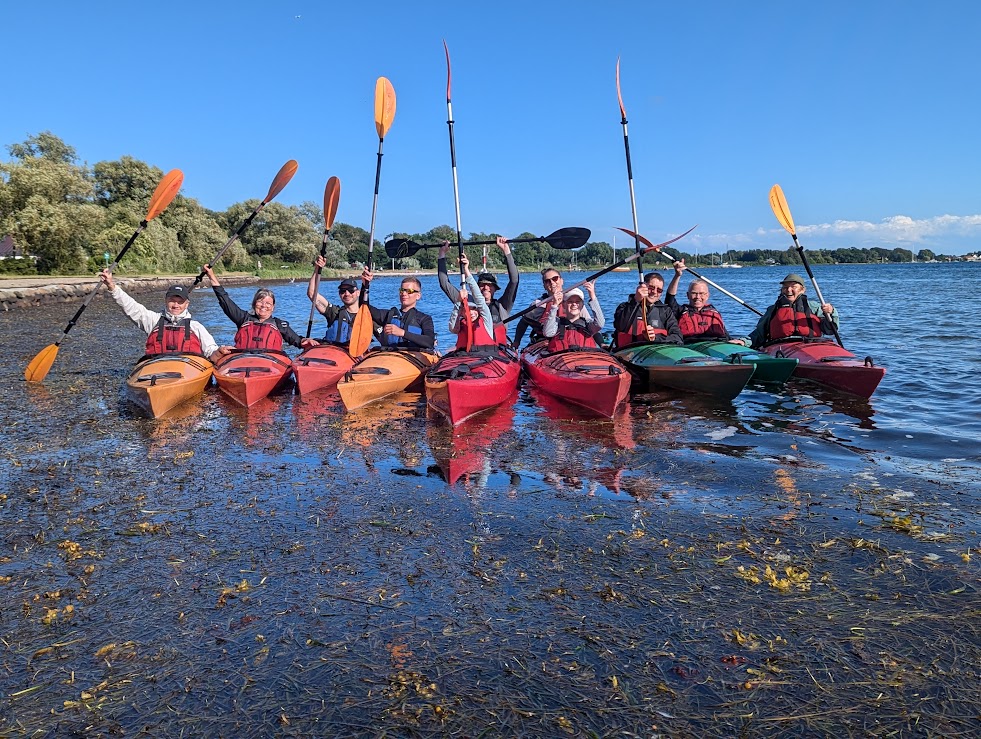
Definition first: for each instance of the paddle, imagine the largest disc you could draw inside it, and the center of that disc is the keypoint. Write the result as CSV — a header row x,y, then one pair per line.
x,y
362,329
571,237
464,308
167,189
280,181
778,203
332,196
689,269
597,275
630,176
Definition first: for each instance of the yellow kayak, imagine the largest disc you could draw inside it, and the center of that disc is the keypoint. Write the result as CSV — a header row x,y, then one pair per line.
x,y
384,372
163,381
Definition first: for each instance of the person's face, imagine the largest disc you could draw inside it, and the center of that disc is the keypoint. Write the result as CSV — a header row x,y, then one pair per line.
x,y
550,279
348,295
791,290
698,296
177,305
487,290
573,306
409,295
264,307
654,290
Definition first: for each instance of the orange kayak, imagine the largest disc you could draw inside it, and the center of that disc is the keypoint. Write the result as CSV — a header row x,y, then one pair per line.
x,y
320,367
163,381
383,372
247,375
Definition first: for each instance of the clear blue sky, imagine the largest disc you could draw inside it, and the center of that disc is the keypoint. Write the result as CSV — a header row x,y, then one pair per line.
x,y
867,113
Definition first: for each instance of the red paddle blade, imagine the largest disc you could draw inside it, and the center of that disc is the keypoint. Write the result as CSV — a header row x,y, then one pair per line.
x,y
656,247
166,191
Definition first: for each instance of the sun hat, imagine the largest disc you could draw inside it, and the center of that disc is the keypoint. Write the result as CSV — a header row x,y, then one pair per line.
x,y
487,278
793,277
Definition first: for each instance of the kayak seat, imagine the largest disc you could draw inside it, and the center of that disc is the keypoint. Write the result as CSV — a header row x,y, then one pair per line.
x,y
247,371
869,362
152,379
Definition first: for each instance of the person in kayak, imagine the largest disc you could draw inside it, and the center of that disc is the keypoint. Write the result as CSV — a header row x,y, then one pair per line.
x,y
340,318
171,331
644,318
257,328
793,316
500,308
534,318
405,327
698,319
480,314
576,329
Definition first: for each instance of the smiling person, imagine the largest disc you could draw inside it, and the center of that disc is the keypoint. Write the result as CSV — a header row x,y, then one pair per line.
x,y
574,329
487,283
644,318
257,328
698,319
172,331
792,316
534,319
405,327
340,318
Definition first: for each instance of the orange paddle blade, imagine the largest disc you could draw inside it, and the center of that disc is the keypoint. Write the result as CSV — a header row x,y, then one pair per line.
x,y
281,180
384,106
38,369
332,197
781,210
166,191
361,332
623,112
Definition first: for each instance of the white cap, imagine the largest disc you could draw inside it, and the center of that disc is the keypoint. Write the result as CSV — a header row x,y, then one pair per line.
x,y
574,293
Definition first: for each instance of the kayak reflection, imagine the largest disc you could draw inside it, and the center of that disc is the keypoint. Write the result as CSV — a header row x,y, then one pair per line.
x,y
463,450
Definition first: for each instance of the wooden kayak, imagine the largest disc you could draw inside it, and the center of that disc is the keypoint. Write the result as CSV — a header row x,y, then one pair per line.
x,y
824,362
770,370
383,372
249,375
591,378
679,368
320,367
462,384
163,381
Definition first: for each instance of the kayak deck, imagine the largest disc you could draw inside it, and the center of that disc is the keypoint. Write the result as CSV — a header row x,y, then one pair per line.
x,y
769,370
248,375
463,384
826,363
162,382
320,368
383,372
685,370
590,378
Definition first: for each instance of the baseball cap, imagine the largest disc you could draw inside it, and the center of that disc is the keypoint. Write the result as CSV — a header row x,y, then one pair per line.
x,y
793,277
178,291
347,282
575,293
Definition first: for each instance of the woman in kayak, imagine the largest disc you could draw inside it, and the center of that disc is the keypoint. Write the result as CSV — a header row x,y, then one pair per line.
x,y
482,334
575,329
500,308
793,316
644,318
257,328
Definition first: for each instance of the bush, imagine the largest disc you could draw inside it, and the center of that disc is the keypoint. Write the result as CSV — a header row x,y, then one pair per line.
x,y
25,266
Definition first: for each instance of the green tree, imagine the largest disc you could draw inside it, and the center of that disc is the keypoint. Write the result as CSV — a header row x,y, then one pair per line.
x,y
926,255
125,179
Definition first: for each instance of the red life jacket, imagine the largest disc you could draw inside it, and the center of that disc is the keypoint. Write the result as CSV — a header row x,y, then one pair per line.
x,y
638,330
251,335
704,324
480,335
572,335
501,334
173,338
792,319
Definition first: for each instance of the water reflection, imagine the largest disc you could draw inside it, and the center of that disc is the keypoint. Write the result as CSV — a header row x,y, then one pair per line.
x,y
463,450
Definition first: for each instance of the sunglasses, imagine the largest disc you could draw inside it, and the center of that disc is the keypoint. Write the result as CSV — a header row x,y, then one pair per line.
x,y
549,280
408,290
347,289
652,289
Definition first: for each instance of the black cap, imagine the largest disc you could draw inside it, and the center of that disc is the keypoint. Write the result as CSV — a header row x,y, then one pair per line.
x,y
178,291
347,282
486,278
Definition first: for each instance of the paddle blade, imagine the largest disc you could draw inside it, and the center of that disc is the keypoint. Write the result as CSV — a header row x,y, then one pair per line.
x,y
781,210
281,180
166,191
332,198
449,76
384,106
401,248
38,368
623,112
568,238
362,329
646,242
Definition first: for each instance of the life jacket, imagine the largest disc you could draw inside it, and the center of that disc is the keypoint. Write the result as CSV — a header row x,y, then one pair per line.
x,y
792,319
538,324
252,335
173,338
481,337
339,332
704,324
409,320
573,335
638,328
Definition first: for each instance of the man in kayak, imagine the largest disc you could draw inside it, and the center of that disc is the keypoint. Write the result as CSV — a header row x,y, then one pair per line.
x,y
644,318
698,319
257,328
340,318
575,329
792,316
500,308
404,327
171,331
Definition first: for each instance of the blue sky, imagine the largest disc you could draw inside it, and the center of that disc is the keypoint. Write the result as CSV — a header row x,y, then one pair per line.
x,y
866,113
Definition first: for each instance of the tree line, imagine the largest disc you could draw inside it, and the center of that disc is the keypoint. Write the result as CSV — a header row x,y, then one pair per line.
x,y
67,215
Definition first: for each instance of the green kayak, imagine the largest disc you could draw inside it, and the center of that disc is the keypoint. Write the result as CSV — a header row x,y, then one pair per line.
x,y
683,369
769,369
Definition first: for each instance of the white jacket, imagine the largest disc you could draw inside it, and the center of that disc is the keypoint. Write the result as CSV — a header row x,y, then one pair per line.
x,y
148,319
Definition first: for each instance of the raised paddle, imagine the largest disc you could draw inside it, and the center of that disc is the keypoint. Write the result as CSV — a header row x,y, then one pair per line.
x,y
689,269
630,176
362,329
464,308
166,190
332,197
782,211
597,275
571,237
280,181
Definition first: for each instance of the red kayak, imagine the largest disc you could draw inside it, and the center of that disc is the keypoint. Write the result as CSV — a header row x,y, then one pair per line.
x,y
824,362
247,375
462,384
320,367
591,378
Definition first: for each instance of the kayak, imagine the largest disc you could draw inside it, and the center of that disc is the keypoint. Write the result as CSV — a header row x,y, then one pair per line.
x,y
769,369
590,378
164,381
679,368
383,372
462,383
824,362
320,367
249,375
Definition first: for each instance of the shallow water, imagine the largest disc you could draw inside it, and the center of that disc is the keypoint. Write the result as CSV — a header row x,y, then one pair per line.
x,y
291,569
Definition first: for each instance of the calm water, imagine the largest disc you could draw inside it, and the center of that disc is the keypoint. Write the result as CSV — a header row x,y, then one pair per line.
x,y
294,570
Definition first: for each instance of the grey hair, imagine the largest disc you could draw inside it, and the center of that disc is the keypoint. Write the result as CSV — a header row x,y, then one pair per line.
x,y
263,292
